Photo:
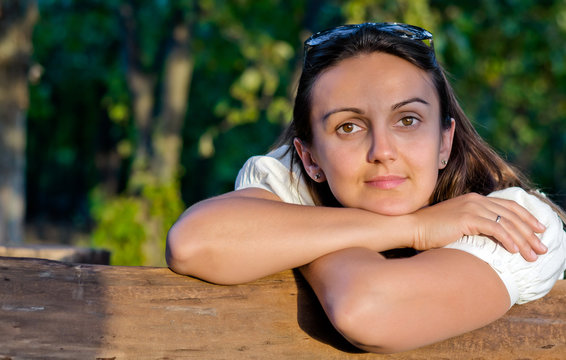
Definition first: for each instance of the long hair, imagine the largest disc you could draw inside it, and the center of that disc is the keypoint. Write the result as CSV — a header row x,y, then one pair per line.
x,y
473,165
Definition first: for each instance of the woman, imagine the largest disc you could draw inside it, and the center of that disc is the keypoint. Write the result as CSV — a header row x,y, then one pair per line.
x,y
384,158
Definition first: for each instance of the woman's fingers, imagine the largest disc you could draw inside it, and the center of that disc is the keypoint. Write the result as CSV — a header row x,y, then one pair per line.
x,y
505,221
520,211
512,239
522,228
513,227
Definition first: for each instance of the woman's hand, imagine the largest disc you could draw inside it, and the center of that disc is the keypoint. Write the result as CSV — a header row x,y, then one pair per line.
x,y
504,220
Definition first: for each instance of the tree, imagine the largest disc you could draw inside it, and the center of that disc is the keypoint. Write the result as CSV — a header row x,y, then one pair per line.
x,y
158,85
17,19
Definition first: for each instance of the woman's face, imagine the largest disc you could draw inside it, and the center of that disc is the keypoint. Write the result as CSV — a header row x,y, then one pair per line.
x,y
377,138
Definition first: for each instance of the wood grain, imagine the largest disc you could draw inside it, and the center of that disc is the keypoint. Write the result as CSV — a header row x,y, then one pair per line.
x,y
56,310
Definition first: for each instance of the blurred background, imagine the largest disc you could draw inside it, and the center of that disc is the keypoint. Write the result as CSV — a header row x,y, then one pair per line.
x,y
117,115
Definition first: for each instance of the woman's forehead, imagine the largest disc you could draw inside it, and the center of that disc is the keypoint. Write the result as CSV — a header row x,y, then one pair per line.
x,y
376,76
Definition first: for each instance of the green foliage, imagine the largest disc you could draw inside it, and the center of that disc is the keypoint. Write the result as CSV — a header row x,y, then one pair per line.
x,y
507,59
133,227
121,228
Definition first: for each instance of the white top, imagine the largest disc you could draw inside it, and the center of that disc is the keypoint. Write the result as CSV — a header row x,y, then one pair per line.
x,y
525,281
271,172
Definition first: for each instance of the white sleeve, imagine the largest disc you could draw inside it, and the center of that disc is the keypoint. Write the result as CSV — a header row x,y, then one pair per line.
x,y
525,281
271,172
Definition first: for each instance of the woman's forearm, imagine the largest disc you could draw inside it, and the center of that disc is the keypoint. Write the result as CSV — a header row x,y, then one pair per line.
x,y
248,234
396,305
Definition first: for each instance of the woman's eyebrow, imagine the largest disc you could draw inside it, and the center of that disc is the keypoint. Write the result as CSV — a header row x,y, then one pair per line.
x,y
344,109
359,111
411,100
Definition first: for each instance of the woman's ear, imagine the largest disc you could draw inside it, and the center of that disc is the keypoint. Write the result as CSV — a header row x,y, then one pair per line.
x,y
447,136
309,163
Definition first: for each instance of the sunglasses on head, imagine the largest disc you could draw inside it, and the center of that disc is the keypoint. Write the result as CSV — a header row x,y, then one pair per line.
x,y
396,29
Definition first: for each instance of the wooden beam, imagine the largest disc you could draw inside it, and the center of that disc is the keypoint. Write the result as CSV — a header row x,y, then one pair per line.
x,y
56,310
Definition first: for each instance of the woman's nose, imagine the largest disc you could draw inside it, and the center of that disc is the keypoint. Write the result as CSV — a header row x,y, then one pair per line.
x,y
382,147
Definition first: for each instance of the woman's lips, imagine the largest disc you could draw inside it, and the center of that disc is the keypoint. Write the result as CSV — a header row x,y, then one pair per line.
x,y
386,182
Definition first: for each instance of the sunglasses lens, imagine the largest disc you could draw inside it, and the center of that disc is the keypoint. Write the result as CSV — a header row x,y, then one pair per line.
x,y
323,36
408,31
396,29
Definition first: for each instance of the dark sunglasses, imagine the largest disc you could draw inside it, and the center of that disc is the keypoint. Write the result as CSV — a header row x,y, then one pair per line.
x,y
396,29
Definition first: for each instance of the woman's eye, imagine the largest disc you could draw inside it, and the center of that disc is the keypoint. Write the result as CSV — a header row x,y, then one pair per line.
x,y
408,121
348,128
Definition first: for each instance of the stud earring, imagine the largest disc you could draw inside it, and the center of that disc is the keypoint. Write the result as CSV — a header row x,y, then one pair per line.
x,y
317,176
444,162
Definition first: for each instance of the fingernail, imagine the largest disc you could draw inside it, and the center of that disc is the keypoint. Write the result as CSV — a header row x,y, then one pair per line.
x,y
533,255
541,226
543,247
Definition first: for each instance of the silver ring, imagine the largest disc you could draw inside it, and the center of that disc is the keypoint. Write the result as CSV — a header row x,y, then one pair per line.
x,y
498,219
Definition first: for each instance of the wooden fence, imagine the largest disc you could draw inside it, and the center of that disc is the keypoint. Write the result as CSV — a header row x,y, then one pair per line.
x,y
59,310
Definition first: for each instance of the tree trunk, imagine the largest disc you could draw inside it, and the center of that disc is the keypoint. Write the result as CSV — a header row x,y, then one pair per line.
x,y
17,19
158,113
167,140
142,88
159,131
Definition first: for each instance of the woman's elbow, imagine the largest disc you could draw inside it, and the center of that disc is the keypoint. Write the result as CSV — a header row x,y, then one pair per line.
x,y
191,250
180,250
362,319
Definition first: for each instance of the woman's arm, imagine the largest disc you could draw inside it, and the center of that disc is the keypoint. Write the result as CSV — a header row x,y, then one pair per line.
x,y
250,233
396,305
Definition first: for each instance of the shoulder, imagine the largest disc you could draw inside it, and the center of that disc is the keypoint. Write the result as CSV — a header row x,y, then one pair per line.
x,y
274,172
274,163
535,204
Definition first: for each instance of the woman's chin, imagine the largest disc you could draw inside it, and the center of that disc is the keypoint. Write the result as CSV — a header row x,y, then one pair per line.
x,y
394,209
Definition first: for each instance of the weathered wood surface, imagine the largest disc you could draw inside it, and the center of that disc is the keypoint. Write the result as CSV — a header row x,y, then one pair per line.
x,y
55,310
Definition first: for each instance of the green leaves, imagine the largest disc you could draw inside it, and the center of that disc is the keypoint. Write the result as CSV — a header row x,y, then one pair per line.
x,y
134,227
